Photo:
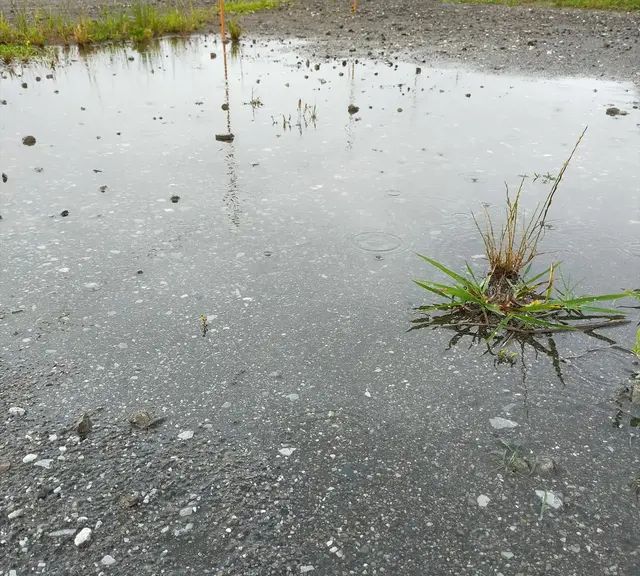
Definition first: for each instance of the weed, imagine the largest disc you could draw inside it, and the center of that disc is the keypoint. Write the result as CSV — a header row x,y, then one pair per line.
x,y
249,6
516,245
235,31
10,54
528,309
636,347
506,357
512,459
255,101
509,299
23,34
81,33
286,122
546,178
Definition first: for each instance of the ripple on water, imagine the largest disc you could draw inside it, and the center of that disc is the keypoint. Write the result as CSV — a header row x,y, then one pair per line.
x,y
377,241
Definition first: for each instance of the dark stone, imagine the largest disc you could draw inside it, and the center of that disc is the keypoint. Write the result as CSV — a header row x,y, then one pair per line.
x,y
129,500
614,111
84,425
64,213
225,106
24,85
44,492
4,177
353,109
175,199
29,140
225,137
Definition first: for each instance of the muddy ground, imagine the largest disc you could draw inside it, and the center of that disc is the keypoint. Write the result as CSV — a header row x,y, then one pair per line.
x,y
531,39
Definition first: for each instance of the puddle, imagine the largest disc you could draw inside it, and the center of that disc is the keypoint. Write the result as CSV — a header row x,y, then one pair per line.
x,y
127,222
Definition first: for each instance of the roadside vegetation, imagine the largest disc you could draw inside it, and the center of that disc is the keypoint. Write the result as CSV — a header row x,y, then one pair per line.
x,y
511,300
624,5
26,35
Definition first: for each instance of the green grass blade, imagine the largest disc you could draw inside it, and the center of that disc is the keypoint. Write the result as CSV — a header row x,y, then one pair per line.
x,y
540,323
577,302
454,275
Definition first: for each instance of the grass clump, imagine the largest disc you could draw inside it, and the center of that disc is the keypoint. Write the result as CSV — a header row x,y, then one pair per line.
x,y
512,249
510,299
235,31
636,347
249,6
10,54
23,35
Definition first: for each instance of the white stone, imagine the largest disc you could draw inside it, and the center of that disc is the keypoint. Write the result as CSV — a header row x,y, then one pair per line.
x,y
287,451
550,499
307,568
507,554
30,458
17,411
499,423
108,560
483,500
292,397
226,405
83,537
15,514
187,511
186,435
46,463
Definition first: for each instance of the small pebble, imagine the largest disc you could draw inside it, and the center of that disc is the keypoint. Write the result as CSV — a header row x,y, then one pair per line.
x,y
108,560
83,537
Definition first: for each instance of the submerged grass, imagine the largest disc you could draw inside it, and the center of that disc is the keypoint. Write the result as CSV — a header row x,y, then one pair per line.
x,y
625,5
510,300
24,36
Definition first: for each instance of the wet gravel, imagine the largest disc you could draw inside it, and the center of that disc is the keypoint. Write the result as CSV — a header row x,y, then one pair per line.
x,y
592,43
314,438
497,38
